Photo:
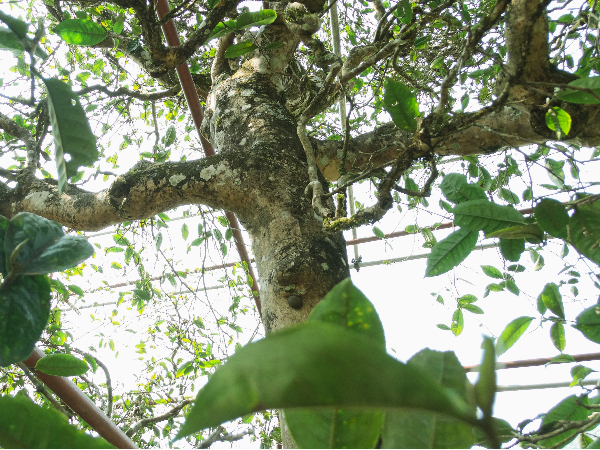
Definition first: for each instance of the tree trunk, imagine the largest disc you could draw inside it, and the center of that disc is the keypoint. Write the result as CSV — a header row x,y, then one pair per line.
x,y
246,116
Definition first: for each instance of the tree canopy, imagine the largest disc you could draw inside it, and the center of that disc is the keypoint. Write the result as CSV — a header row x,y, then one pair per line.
x,y
114,113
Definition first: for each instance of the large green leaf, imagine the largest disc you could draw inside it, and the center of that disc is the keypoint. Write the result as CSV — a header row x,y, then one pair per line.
x,y
552,299
588,322
457,189
532,232
552,216
485,387
573,96
71,130
17,26
487,216
23,424
569,409
347,307
36,245
512,333
401,103
255,19
240,49
80,31
222,29
62,365
584,230
10,41
450,252
329,366
334,428
24,312
512,249
417,429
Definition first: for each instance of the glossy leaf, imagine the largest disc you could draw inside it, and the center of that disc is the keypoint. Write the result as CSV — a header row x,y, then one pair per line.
x,y
573,96
458,323
512,249
347,307
531,232
36,245
584,230
457,189
579,373
417,429
71,130
401,104
511,334
473,309
255,19
559,121
552,216
552,299
569,409
485,387
557,335
450,252
328,367
51,430
62,365
80,32
23,316
484,215
240,49
492,272
588,322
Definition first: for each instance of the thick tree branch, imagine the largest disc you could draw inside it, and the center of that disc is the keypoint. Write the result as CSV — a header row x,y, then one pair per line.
x,y
147,189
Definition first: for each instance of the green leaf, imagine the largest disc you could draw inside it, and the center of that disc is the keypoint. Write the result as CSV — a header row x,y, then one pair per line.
x,y
10,41
121,240
334,428
17,414
562,358
584,230
255,19
347,307
555,172
377,232
240,49
528,194
36,245
17,26
450,252
457,189
222,29
185,231
80,32
516,268
159,239
485,387
511,334
512,249
23,316
457,324
71,131
401,104
588,322
492,272
557,334
579,373
483,215
552,216
508,196
465,299
329,367
569,409
552,299
273,45
572,96
559,121
4,263
62,365
512,287
472,308
404,12
417,429
170,136
532,232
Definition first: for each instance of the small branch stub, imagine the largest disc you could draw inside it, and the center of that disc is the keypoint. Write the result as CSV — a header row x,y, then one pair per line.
x,y
295,302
